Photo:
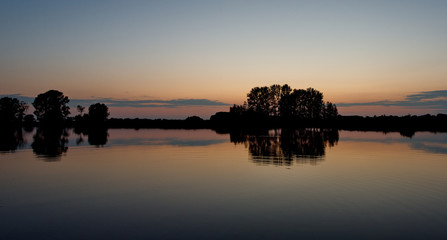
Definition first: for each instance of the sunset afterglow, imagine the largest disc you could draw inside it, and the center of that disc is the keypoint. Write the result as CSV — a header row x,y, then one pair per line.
x,y
368,57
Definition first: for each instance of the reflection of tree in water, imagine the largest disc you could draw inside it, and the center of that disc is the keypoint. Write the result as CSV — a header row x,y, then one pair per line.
x,y
283,147
98,136
50,143
10,139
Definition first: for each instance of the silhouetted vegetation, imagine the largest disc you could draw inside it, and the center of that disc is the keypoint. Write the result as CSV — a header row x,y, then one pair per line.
x,y
285,146
189,123
97,116
265,108
11,112
282,101
278,106
29,121
51,107
406,125
98,113
80,109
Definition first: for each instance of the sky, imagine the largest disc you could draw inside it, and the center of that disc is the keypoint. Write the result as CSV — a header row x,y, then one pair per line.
x,y
173,59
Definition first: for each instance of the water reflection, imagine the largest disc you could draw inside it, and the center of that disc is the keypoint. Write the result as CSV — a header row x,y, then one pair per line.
x,y
276,147
50,143
429,142
434,148
285,146
96,136
10,139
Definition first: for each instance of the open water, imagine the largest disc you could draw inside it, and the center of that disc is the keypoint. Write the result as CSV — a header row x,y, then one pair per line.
x,y
196,184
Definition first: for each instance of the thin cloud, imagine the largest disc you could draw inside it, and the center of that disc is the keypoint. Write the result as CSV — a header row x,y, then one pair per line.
x,y
436,100
110,102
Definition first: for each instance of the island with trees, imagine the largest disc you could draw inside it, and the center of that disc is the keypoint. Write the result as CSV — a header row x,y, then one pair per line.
x,y
303,124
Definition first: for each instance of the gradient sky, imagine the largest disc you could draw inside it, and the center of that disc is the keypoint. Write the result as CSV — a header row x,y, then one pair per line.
x,y
368,57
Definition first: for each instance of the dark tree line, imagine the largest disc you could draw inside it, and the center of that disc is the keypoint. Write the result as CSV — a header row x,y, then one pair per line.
x,y
282,101
266,107
51,109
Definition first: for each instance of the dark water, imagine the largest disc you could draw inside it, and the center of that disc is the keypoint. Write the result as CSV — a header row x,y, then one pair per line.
x,y
192,184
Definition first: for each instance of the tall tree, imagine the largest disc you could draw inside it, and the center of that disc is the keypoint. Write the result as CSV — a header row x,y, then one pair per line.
x,y
51,107
267,100
12,110
314,103
258,100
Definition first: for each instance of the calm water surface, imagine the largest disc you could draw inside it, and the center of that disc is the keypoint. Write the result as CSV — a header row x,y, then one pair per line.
x,y
190,184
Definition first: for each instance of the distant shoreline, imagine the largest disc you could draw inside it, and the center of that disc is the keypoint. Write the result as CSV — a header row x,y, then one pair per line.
x,y
433,123
406,125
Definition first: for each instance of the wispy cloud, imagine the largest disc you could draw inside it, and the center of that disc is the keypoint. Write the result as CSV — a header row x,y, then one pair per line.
x,y
436,100
111,102
149,103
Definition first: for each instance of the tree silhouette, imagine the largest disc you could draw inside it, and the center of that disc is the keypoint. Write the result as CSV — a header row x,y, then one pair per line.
x,y
11,111
281,101
266,100
98,113
330,111
259,100
306,104
80,109
51,107
238,110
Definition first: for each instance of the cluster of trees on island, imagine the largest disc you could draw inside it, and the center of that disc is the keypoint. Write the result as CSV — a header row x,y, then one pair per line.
x,y
282,101
278,105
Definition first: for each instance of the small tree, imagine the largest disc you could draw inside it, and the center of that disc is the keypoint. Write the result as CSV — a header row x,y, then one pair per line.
x,y
98,113
12,110
80,109
314,103
51,107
